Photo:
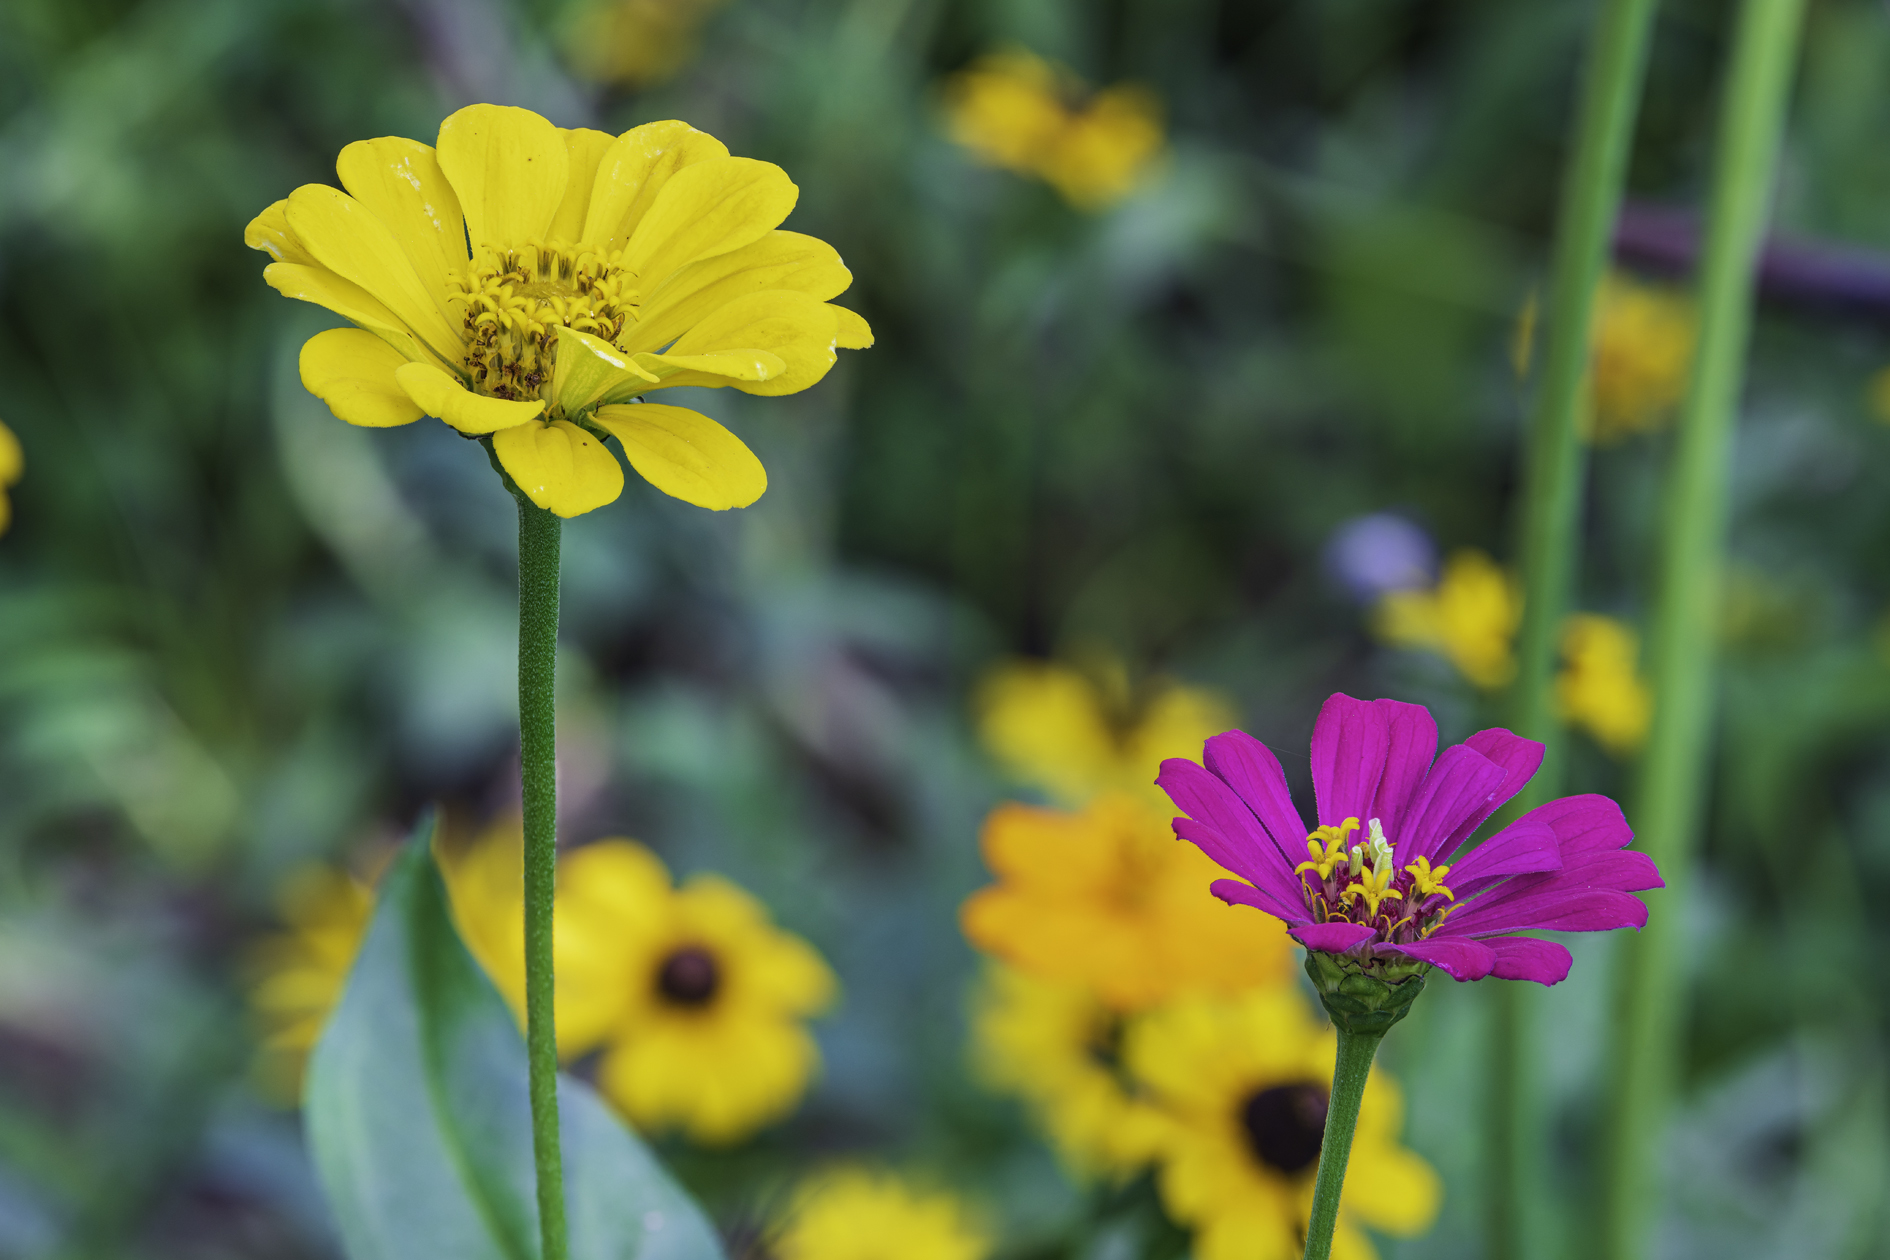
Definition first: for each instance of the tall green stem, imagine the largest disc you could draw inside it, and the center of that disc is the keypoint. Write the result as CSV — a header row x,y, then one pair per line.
x,y
1349,1070
1554,464
538,539
1671,791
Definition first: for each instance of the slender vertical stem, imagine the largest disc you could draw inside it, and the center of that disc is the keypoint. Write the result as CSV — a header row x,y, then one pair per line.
x,y
1671,791
538,538
1554,465
1349,1070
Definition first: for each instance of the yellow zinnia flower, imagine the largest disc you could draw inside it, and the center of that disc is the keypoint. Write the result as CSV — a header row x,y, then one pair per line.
x,y
600,269
299,973
12,465
1057,1047
1598,689
1245,1084
1075,734
852,1214
1108,900
1470,617
1011,110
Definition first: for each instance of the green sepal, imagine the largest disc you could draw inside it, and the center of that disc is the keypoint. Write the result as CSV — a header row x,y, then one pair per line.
x,y
1365,998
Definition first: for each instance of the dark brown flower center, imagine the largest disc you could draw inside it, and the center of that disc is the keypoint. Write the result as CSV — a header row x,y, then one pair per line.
x,y
1285,1125
689,976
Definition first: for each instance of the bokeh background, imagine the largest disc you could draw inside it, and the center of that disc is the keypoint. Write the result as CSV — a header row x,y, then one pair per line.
x,y
1137,426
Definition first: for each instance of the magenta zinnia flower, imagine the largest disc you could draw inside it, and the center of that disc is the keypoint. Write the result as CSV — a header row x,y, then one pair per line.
x,y
1381,875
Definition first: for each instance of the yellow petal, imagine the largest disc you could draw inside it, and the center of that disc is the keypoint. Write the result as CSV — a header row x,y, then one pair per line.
x,y
401,183
685,454
441,394
352,242
559,466
323,287
270,232
585,149
633,171
352,371
590,370
852,332
708,209
779,260
509,167
722,367
12,459
798,328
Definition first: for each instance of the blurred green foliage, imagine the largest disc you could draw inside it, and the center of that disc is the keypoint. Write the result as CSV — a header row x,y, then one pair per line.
x,y
236,635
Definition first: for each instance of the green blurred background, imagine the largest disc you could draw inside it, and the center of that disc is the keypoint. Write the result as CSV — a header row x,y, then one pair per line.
x,y
237,636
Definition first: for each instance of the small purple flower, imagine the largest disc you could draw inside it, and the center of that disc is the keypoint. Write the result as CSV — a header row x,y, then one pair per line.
x,y
1372,556
1382,875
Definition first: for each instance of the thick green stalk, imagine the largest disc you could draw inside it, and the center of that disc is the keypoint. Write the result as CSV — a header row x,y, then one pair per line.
x,y
1349,1070
1554,466
1671,792
538,539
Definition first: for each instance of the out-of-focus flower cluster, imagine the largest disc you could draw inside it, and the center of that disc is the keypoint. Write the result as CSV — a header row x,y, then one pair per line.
x,y
635,43
1016,111
1639,360
1144,1024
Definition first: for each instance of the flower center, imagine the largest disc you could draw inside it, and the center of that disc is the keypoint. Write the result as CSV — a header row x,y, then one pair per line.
x,y
515,297
689,977
1358,885
1285,1125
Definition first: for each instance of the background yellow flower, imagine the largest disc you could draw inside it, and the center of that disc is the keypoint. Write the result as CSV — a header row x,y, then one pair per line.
x,y
12,465
1643,353
1107,899
299,972
636,43
1076,733
1470,617
1599,689
852,1214
1244,1081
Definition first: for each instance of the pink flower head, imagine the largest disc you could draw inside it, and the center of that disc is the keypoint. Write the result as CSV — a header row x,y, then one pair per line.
x,y
1384,873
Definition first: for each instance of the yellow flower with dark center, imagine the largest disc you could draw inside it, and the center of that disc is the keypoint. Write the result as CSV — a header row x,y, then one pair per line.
x,y
1077,733
1057,1046
1642,354
527,283
299,972
853,1214
12,466
637,43
1015,111
1245,1083
1470,617
485,882
1106,899
1599,689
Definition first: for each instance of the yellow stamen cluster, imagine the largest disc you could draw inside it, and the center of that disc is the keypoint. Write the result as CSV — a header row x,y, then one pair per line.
x,y
1426,879
1371,863
1327,847
516,298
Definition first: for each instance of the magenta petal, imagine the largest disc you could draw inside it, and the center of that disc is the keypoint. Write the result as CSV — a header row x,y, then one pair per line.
x,y
1250,768
1411,744
1458,786
1586,823
1331,938
1235,893
1281,887
1462,959
1348,758
1520,759
1540,904
1526,958
1525,847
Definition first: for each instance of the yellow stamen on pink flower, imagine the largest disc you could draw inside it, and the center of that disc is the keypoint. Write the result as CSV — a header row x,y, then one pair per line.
x,y
1327,847
1425,880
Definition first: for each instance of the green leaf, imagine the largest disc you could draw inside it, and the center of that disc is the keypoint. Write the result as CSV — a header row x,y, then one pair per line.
x,y
419,1121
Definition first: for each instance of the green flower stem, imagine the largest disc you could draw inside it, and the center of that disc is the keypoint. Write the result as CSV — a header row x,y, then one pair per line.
x,y
538,539
1352,1066
1554,466
1671,790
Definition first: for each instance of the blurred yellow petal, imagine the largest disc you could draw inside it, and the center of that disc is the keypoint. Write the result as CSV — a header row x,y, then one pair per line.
x,y
590,370
441,394
585,149
634,170
852,331
732,365
400,182
686,455
779,260
708,209
270,232
798,328
12,458
509,167
352,371
559,466
352,242
349,300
